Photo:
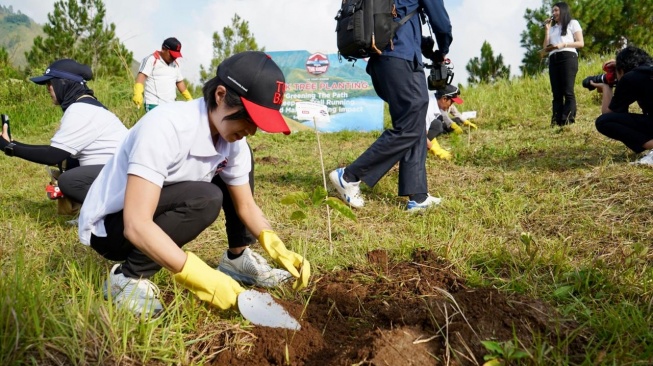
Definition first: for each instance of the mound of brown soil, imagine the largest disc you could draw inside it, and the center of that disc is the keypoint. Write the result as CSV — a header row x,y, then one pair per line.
x,y
417,313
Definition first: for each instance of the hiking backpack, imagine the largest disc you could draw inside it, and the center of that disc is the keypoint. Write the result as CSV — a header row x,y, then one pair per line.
x,y
366,27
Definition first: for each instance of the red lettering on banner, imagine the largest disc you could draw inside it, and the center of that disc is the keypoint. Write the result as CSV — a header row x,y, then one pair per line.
x,y
278,98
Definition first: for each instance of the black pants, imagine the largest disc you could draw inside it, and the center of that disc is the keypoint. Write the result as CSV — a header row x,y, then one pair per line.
x,y
634,130
563,67
184,210
75,183
402,85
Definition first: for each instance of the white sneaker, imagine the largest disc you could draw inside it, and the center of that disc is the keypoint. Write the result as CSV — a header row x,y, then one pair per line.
x,y
429,202
252,269
645,160
141,296
349,192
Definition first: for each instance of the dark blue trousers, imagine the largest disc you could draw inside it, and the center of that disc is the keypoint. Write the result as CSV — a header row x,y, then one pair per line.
x,y
401,84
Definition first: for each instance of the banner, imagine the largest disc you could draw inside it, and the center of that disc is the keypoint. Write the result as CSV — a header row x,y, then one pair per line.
x,y
346,92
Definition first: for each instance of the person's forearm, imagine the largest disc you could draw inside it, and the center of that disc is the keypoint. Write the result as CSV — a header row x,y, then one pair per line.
x,y
607,98
253,218
150,239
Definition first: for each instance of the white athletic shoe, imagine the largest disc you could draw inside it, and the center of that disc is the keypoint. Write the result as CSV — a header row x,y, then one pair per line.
x,y
430,202
645,160
139,295
349,192
252,269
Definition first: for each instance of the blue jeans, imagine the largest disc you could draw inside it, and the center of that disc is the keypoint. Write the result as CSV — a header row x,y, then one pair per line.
x,y
401,84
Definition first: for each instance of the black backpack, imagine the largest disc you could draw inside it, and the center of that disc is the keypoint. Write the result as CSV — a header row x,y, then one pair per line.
x,y
366,27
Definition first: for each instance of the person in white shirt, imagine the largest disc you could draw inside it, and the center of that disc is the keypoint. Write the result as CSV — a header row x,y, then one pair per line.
x,y
156,194
563,36
159,77
87,135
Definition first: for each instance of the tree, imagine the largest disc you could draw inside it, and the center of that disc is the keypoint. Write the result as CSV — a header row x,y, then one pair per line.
x,y
77,30
607,26
487,69
235,39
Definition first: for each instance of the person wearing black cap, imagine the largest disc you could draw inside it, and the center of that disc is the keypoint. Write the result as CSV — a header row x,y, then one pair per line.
x,y
87,135
398,78
438,120
160,191
159,76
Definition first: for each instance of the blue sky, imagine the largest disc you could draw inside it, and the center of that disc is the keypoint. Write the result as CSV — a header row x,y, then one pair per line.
x,y
281,25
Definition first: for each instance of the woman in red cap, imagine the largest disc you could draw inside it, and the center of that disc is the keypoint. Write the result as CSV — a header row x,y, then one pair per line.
x,y
167,182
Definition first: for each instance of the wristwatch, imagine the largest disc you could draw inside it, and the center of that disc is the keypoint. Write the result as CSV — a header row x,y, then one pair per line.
x,y
9,149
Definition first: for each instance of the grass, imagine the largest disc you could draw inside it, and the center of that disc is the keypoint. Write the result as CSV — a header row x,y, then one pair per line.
x,y
556,214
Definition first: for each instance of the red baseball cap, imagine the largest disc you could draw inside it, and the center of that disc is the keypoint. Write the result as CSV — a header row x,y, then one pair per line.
x,y
174,46
261,85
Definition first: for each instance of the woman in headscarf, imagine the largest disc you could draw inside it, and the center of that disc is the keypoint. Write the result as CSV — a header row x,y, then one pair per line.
x,y
87,135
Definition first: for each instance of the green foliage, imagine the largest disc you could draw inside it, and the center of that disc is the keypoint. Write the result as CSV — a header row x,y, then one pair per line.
x,y
236,38
607,26
502,353
17,33
318,198
6,69
487,69
77,30
555,214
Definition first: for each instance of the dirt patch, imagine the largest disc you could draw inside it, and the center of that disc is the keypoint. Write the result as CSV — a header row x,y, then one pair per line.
x,y
416,313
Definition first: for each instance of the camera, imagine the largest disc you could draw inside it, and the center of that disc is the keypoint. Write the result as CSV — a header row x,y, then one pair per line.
x,y
440,76
610,77
441,69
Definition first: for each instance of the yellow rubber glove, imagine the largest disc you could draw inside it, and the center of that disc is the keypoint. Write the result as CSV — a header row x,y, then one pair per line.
x,y
291,261
138,94
456,128
467,123
438,151
208,284
187,95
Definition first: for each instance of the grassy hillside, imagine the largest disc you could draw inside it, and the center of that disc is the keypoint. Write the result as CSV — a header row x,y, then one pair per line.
x,y
553,214
17,33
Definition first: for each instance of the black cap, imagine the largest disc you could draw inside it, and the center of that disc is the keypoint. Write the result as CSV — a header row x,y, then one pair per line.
x,y
173,45
65,69
449,91
261,85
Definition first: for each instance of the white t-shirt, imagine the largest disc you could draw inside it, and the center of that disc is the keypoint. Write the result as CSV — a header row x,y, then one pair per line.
x,y
172,143
162,79
89,133
433,110
555,36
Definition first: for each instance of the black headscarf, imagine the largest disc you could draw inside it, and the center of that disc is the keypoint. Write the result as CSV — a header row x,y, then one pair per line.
x,y
68,79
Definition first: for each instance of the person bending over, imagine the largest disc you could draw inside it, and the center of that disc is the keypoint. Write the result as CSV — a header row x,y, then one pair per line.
x,y
634,72
156,194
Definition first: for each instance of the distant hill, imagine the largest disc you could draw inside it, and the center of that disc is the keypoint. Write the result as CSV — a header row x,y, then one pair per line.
x,y
17,33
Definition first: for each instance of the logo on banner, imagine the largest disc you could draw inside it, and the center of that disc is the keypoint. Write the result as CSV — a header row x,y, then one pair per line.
x,y
317,64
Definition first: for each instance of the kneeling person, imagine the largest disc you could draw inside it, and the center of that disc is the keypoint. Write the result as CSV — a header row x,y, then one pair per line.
x,y
156,194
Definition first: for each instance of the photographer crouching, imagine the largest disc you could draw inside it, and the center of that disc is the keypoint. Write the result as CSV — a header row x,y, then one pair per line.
x,y
634,83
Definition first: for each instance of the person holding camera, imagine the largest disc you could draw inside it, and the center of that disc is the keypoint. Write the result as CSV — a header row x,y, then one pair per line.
x,y
634,74
87,136
398,78
563,36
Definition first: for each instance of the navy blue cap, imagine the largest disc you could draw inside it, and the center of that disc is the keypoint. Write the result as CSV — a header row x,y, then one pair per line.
x,y
65,69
